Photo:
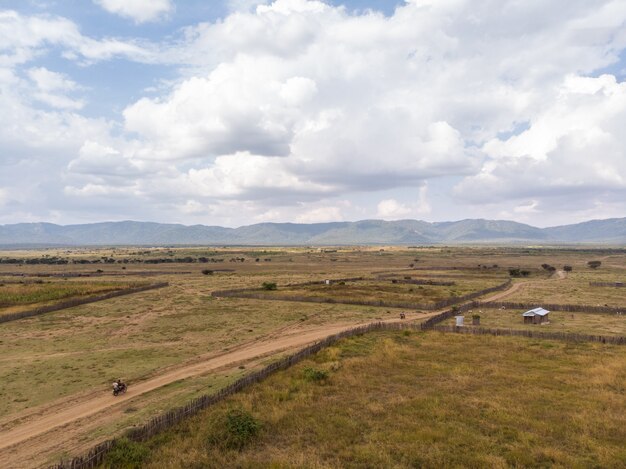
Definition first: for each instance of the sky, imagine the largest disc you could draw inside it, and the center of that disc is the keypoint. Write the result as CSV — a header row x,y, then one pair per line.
x,y
234,112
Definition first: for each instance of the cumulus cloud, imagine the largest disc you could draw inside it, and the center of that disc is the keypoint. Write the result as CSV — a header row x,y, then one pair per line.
x,y
283,107
53,88
23,38
573,146
392,209
141,11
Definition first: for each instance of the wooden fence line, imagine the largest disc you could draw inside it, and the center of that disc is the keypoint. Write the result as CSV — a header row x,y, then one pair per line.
x,y
259,295
551,307
79,301
165,421
607,284
564,336
332,280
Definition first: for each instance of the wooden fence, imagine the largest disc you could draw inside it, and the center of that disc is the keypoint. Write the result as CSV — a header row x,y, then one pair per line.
x,y
564,336
607,284
260,295
96,456
550,307
158,424
78,301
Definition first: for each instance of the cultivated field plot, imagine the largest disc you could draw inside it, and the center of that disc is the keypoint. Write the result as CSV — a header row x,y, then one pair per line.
x,y
383,292
560,321
417,400
17,295
576,289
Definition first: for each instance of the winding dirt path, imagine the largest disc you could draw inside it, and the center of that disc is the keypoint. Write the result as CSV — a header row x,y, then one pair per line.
x,y
29,439
558,275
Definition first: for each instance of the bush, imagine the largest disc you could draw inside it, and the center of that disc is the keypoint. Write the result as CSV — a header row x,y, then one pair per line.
x,y
514,272
126,454
567,268
313,374
269,286
207,272
235,429
594,264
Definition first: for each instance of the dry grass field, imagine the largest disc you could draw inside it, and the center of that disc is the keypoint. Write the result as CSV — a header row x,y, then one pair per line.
x,y
18,295
72,355
560,321
416,400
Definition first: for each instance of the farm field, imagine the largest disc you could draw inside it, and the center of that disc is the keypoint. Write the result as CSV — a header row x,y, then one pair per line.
x,y
18,295
417,400
163,342
381,290
576,289
560,321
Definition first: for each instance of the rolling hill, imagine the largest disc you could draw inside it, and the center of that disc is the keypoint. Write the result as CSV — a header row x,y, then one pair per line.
x,y
612,231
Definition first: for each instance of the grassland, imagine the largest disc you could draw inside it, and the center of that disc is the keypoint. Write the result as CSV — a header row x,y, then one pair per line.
x,y
139,336
560,321
575,289
383,291
19,295
423,400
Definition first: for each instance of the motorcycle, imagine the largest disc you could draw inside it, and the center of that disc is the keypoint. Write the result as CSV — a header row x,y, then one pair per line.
x,y
120,389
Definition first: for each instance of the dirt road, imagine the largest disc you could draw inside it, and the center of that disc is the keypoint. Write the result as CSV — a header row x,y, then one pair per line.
x,y
558,275
31,438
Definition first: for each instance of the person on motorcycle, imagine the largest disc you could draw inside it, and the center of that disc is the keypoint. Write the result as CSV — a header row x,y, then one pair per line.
x,y
118,386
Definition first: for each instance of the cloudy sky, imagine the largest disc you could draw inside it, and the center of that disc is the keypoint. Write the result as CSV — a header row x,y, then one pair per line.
x,y
233,112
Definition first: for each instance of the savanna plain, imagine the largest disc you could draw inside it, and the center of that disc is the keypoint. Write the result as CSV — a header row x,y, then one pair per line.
x,y
393,398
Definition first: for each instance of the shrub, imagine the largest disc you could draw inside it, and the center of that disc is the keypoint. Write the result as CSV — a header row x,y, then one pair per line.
x,y
235,429
207,272
594,264
514,272
313,374
567,268
269,286
126,454
525,273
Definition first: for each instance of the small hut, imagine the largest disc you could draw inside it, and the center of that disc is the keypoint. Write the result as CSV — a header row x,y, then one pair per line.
x,y
536,316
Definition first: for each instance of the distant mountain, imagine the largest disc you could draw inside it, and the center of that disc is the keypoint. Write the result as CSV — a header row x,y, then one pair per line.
x,y
611,231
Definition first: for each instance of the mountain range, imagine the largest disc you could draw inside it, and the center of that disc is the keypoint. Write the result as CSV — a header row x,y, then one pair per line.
x,y
610,231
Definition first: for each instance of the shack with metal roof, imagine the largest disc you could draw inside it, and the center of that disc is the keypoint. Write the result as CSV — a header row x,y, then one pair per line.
x,y
536,316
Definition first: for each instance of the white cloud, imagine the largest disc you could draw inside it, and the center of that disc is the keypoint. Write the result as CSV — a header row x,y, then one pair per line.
x,y
141,11
52,89
282,109
391,208
4,197
574,145
320,215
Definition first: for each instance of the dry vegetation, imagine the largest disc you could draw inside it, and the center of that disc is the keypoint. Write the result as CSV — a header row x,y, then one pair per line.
x,y
420,400
20,295
560,321
141,335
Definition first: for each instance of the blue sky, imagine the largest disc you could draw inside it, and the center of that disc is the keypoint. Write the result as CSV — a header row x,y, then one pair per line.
x,y
238,111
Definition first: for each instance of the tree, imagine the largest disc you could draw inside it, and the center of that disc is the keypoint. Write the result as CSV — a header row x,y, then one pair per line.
x,y
594,264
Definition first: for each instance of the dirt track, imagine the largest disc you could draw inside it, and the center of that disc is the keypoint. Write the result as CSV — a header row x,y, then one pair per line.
x,y
31,438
